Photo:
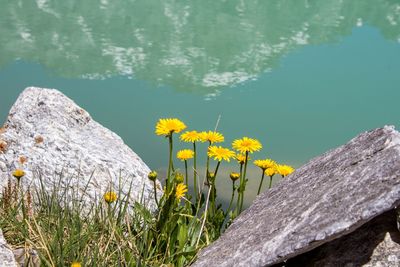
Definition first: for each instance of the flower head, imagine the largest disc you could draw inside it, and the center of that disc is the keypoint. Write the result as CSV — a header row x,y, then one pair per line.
x,y
284,170
190,136
220,153
212,137
180,190
185,154
234,176
246,145
110,197
18,173
169,126
152,175
270,171
76,264
265,163
179,177
241,158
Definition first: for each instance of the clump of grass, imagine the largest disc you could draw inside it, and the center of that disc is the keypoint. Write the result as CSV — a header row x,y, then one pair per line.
x,y
112,231
64,231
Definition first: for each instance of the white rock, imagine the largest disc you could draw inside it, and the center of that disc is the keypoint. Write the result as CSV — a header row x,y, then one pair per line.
x,y
6,255
59,138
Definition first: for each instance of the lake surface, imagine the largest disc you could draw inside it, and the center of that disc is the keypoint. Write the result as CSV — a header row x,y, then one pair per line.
x,y
301,76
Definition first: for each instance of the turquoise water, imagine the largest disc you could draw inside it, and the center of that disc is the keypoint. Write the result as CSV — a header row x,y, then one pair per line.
x,y
301,76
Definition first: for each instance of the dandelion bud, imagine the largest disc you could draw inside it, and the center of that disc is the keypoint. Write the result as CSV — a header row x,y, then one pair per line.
x,y
234,176
152,175
211,175
179,177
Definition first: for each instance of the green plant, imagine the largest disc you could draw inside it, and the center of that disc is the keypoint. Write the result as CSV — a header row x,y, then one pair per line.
x,y
67,229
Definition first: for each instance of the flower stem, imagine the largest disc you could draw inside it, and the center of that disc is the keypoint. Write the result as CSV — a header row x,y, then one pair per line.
x,y
155,193
216,169
208,164
244,182
261,182
195,171
239,190
186,173
214,190
232,197
270,182
169,178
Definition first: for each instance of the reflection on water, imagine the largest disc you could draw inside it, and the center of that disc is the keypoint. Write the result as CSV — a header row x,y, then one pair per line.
x,y
189,45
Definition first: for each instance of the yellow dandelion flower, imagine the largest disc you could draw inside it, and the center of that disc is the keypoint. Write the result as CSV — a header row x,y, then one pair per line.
x,y
241,158
212,137
169,126
180,190
246,145
284,170
18,173
270,171
234,176
190,136
110,197
76,264
220,153
265,163
185,154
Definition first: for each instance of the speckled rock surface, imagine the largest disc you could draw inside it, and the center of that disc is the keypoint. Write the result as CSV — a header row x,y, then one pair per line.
x,y
26,257
329,197
57,137
6,255
376,243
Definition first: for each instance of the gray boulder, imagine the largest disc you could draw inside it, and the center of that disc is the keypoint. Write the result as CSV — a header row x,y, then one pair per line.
x,y
376,243
6,254
327,199
58,138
